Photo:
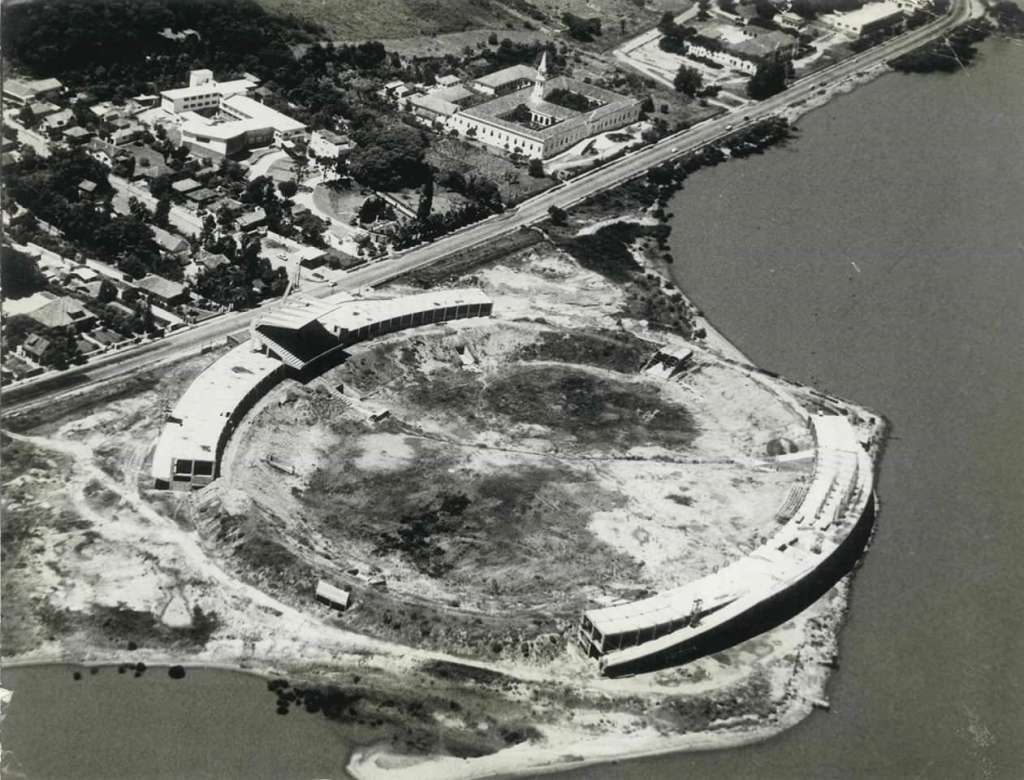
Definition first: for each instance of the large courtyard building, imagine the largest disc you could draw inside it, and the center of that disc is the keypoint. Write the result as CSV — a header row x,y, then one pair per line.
x,y
220,117
533,114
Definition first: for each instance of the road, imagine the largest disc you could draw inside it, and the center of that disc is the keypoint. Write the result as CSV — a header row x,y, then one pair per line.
x,y
180,218
33,393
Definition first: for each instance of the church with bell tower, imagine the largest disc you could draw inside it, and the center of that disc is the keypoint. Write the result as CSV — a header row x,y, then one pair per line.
x,y
537,114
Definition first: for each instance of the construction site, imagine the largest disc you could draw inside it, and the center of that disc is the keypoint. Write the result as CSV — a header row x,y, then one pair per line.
x,y
509,469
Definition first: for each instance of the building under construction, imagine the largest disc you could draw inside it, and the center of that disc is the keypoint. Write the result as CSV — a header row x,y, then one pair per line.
x,y
295,338
818,536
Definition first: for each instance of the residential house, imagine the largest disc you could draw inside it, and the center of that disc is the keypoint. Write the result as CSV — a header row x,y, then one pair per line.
x,y
212,260
76,135
162,291
64,312
251,219
185,185
87,188
169,242
21,91
12,307
59,120
201,197
328,144
43,108
83,274
35,346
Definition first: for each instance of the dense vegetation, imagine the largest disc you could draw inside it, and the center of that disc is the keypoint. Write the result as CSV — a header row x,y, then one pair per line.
x,y
49,189
688,80
580,28
947,55
20,274
115,46
769,79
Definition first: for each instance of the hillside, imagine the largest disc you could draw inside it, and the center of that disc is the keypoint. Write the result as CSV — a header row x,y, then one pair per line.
x,y
356,20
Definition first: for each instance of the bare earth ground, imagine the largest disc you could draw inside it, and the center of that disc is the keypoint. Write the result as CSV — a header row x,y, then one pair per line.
x,y
527,468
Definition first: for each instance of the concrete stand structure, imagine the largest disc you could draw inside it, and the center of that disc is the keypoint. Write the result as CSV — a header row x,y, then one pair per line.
x,y
295,337
823,526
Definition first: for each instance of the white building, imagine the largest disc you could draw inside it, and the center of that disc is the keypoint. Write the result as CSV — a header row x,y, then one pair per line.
x,y
202,93
19,91
741,48
249,123
536,120
871,18
326,143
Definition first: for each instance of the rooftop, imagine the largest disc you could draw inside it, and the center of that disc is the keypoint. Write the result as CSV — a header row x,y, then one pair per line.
x,y
186,185
60,313
160,287
199,417
168,241
28,89
265,114
12,307
493,110
507,75
348,313
872,12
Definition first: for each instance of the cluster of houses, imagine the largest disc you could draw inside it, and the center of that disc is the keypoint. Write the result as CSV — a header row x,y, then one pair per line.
x,y
740,41
91,292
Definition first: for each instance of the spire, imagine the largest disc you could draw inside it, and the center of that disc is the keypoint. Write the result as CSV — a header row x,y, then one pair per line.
x,y
539,82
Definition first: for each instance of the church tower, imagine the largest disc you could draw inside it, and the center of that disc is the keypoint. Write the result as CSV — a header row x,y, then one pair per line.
x,y
540,81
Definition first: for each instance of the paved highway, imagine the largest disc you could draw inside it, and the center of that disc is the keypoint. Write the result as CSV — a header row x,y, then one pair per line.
x,y
39,391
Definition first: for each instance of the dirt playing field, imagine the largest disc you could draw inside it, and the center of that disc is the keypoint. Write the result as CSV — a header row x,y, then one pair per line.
x,y
522,470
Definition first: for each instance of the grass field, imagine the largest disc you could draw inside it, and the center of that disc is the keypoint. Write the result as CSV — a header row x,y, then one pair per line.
x,y
353,20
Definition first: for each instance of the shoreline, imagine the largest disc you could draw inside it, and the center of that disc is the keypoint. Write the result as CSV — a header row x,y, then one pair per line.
x,y
377,761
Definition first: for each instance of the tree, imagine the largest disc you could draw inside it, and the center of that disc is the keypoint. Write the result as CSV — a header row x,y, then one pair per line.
x,y
288,188
688,80
558,216
536,168
160,185
20,273
426,199
107,292
27,117
580,28
208,232
375,208
162,212
138,210
765,9
768,80
388,156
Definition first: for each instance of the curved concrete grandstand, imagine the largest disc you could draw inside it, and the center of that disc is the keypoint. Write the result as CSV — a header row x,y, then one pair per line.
x,y
302,332
294,337
193,437
822,528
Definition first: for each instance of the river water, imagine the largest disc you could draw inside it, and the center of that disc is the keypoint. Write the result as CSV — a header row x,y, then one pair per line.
x,y
880,257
